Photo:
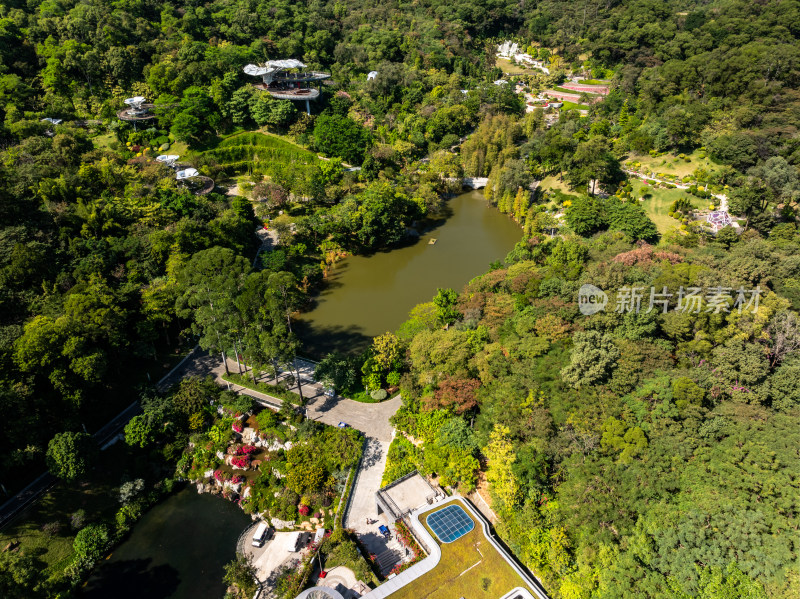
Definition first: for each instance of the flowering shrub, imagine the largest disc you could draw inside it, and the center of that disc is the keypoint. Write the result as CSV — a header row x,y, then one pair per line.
x,y
408,539
304,510
246,450
219,475
645,255
240,461
237,479
238,426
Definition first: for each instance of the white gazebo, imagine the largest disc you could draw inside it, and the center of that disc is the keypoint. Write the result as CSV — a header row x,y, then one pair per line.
x,y
168,159
280,83
186,174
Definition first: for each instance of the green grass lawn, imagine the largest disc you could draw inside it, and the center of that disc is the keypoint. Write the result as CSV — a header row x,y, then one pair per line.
x,y
510,69
658,201
470,567
552,182
180,148
675,165
574,106
104,140
97,496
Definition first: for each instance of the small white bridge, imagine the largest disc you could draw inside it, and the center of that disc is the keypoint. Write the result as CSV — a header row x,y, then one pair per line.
x,y
475,182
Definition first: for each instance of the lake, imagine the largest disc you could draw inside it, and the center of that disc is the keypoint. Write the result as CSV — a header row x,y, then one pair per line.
x,y
176,551
369,295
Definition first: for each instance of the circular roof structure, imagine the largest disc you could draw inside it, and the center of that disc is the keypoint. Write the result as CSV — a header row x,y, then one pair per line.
x,y
255,70
135,101
320,593
186,174
272,66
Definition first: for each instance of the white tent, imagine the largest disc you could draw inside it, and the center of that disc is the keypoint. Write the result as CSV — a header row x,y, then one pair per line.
x,y
50,119
289,63
371,75
186,174
271,67
255,70
168,159
135,101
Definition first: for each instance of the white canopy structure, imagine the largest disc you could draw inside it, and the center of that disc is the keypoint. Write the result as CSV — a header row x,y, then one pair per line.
x,y
136,101
271,67
284,85
186,174
168,159
51,120
371,75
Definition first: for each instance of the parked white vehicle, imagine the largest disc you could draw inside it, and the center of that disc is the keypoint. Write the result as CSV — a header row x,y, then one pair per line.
x,y
260,536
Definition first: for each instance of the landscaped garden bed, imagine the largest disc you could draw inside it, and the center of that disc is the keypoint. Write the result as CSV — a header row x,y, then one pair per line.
x,y
274,464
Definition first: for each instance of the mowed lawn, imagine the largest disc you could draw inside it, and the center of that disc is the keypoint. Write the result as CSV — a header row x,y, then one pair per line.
x,y
97,496
470,567
553,182
658,202
671,164
57,506
508,68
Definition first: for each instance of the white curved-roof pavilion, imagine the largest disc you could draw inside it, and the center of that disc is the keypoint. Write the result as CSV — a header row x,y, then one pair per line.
x,y
272,66
255,70
186,174
135,101
167,158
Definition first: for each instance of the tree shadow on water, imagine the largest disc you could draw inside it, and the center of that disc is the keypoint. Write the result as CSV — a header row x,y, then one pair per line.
x,y
132,579
321,340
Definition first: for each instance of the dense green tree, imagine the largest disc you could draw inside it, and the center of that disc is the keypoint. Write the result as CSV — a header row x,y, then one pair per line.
x,y
19,574
593,356
209,281
341,136
71,455
445,302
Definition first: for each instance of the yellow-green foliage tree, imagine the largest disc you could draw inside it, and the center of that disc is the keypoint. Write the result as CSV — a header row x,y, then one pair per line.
x,y
500,457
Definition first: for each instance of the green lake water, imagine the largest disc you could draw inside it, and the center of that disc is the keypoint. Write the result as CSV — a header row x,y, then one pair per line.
x,y
369,295
176,551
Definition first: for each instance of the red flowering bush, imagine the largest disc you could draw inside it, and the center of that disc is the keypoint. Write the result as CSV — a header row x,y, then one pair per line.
x,y
219,475
246,450
237,479
645,255
304,510
408,539
240,461
238,426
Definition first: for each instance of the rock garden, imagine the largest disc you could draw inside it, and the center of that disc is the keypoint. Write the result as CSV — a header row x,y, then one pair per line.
x,y
275,465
